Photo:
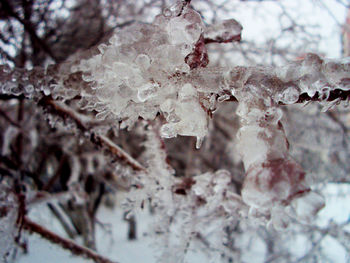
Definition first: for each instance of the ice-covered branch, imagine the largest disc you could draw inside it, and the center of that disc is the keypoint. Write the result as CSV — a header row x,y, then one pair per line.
x,y
311,79
146,69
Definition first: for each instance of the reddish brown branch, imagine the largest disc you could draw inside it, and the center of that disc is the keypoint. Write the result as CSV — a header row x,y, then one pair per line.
x,y
65,112
235,38
57,174
64,242
336,94
333,95
117,151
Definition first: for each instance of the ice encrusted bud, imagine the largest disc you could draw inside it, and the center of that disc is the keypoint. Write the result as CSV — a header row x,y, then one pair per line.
x,y
256,144
274,181
279,188
271,182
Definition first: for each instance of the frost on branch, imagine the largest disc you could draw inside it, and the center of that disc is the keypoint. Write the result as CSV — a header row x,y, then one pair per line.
x,y
156,182
188,208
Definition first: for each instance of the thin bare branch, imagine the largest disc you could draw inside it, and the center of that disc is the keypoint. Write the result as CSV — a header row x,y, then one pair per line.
x,y
65,243
7,118
64,111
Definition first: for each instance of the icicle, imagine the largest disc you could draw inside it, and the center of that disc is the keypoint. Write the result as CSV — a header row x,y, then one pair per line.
x,y
199,142
330,104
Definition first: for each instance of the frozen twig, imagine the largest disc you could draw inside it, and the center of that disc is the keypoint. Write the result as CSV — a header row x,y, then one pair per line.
x,y
7,118
119,152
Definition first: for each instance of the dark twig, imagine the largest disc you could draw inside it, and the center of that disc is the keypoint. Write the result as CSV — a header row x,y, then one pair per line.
x,y
100,140
7,118
117,151
28,26
64,242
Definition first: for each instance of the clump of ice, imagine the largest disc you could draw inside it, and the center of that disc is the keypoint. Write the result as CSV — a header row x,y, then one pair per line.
x,y
140,76
274,181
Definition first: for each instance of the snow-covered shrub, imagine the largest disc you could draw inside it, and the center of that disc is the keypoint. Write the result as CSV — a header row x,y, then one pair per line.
x,y
160,72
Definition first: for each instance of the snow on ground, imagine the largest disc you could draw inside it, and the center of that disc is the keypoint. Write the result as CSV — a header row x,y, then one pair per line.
x,y
111,236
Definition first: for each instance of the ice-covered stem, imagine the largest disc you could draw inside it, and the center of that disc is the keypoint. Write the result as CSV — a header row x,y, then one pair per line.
x,y
119,152
271,176
134,76
65,243
273,179
64,112
311,79
55,80
9,210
